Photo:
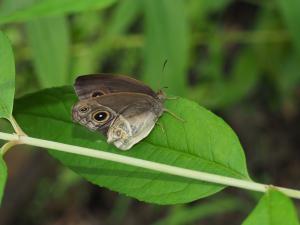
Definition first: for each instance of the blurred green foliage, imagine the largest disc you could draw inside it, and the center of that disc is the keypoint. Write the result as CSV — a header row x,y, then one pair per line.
x,y
211,58
50,49
183,214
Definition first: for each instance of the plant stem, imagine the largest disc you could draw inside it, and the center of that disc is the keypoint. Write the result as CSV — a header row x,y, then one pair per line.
x,y
193,174
16,126
8,146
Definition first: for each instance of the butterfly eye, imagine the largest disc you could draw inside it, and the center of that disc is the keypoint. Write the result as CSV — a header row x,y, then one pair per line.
x,y
83,109
101,116
97,94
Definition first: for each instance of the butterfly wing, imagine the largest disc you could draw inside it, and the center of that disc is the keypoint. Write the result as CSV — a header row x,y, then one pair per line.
x,y
131,116
94,85
135,119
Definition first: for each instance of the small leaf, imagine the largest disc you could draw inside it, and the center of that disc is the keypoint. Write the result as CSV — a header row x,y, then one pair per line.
x,y
204,142
166,38
3,175
49,41
51,8
7,77
274,208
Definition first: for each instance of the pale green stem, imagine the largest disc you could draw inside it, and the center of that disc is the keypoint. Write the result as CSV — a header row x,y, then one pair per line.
x,y
18,131
16,126
193,174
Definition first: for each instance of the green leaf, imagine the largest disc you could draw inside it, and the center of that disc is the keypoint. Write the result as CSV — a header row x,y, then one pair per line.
x,y
289,10
273,209
49,41
51,8
204,142
3,175
166,39
7,77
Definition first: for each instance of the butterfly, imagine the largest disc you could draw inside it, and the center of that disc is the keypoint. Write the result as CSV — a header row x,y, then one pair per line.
x,y
120,107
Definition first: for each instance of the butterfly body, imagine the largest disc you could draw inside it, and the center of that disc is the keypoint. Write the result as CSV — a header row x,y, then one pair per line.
x,y
122,108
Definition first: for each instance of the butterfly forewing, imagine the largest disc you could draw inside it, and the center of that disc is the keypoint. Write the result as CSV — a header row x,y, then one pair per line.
x,y
94,85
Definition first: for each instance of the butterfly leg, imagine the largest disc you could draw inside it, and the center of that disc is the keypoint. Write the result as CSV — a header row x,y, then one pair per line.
x,y
174,115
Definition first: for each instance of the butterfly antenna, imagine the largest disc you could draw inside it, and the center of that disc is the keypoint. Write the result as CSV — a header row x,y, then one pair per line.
x,y
165,63
162,74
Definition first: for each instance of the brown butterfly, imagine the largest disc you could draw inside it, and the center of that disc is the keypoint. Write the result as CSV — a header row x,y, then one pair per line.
x,y
122,108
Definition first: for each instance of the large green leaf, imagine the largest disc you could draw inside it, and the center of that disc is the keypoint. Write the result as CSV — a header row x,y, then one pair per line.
x,y
273,209
49,41
7,77
51,8
204,142
166,38
3,175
